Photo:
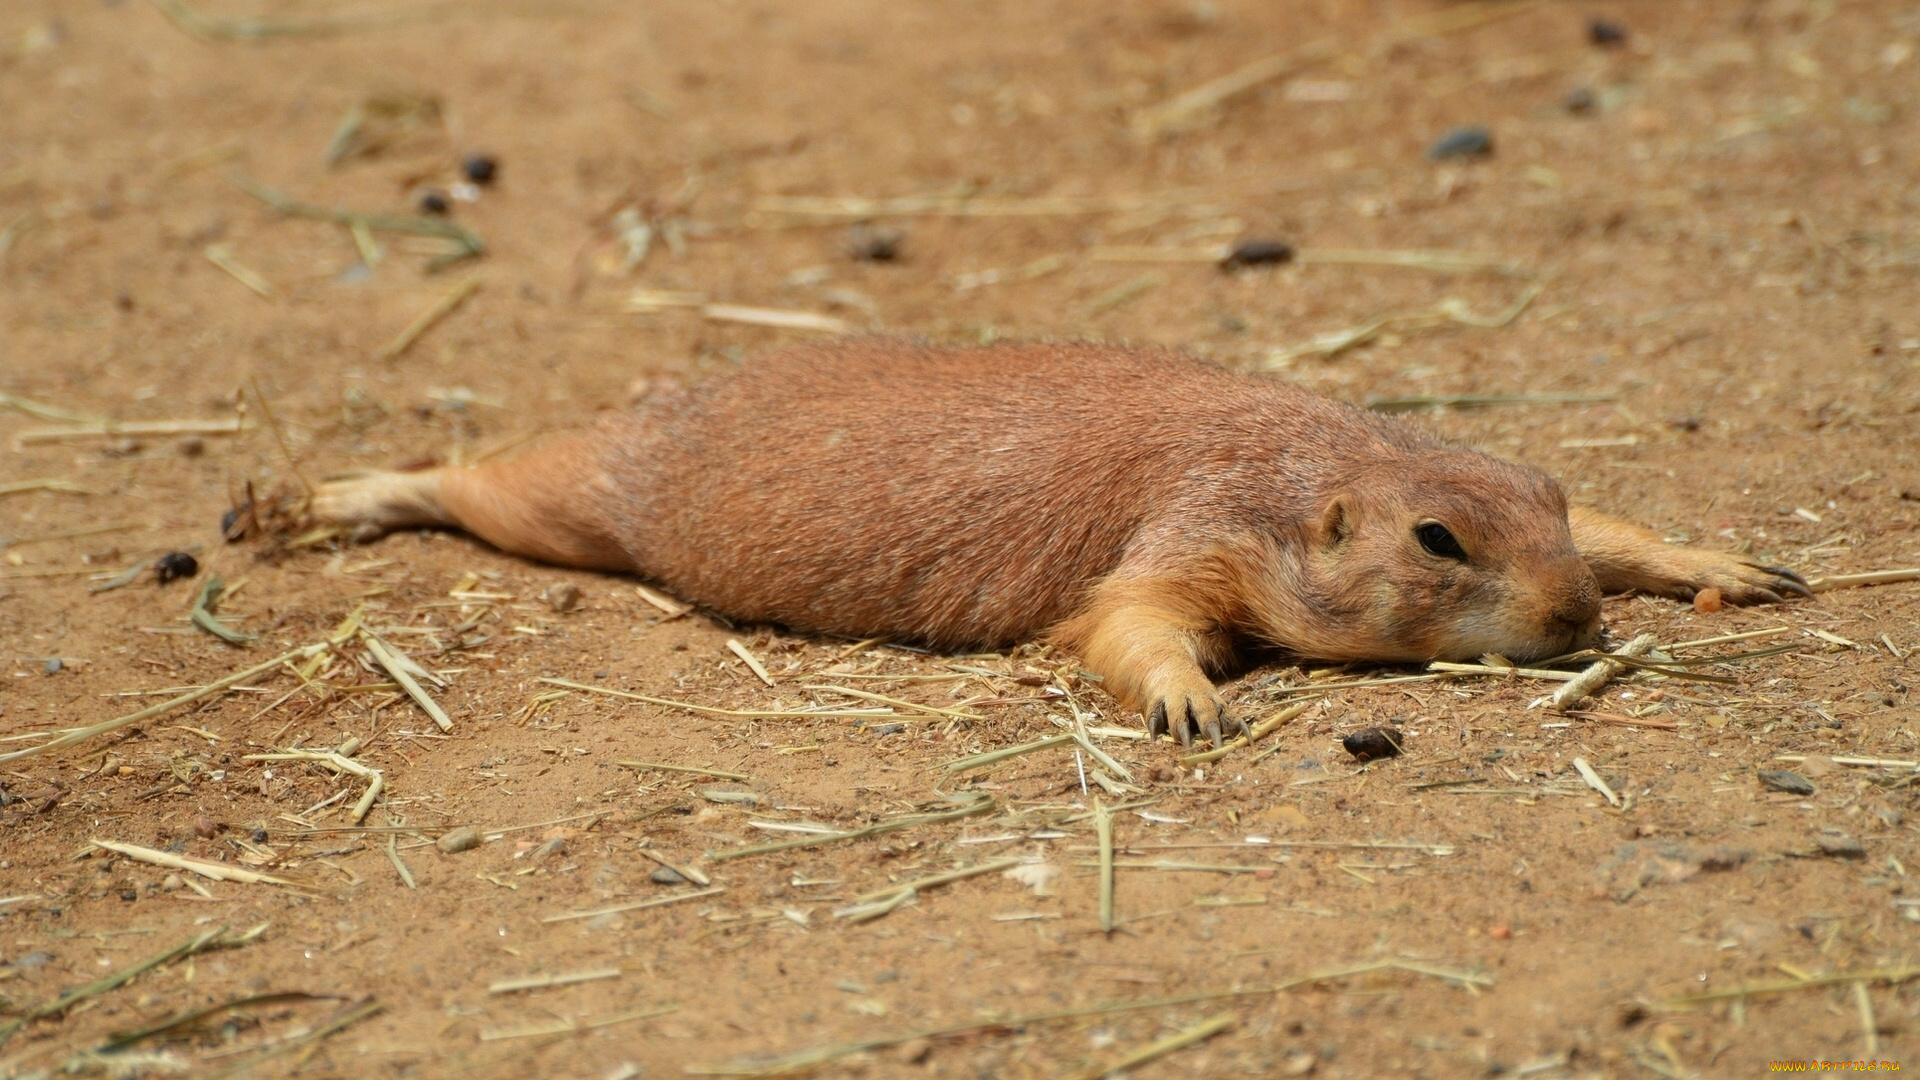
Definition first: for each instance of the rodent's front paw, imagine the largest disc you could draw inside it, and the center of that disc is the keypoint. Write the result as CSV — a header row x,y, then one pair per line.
x,y
1189,710
1740,581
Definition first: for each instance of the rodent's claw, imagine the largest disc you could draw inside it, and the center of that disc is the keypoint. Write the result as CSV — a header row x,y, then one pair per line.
x,y
1157,720
1187,713
1790,581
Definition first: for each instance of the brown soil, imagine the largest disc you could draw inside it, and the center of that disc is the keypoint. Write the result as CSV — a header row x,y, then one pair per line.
x,y
1726,241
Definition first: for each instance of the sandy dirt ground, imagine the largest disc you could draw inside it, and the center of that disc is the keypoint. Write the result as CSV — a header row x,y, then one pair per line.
x,y
1709,224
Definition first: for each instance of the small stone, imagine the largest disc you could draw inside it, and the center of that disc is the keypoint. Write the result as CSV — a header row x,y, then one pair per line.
x,y
1839,846
205,827
874,243
1708,601
1463,142
191,446
175,565
666,875
480,168
1580,101
1369,744
34,960
232,526
555,846
914,1051
172,883
434,202
1502,932
1163,773
53,665
259,836
563,597
1258,253
1790,782
464,838
1606,33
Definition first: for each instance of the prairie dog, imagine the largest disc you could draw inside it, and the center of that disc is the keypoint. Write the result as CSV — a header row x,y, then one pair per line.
x,y
1141,508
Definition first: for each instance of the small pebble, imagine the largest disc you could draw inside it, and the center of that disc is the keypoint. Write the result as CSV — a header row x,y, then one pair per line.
x,y
175,565
34,960
1606,33
1465,142
555,846
667,876
1708,601
564,596
480,168
1580,101
172,883
1258,253
192,446
1370,744
1839,846
230,526
1503,932
433,202
874,243
914,1051
259,836
205,827
464,838
1790,782
53,665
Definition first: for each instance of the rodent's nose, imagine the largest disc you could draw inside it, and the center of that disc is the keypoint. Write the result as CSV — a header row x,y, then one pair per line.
x,y
1577,604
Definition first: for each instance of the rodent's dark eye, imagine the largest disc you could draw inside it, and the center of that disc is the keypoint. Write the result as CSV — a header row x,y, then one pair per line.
x,y
1438,541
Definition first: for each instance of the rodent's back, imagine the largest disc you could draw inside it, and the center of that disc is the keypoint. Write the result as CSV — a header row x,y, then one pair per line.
x,y
960,496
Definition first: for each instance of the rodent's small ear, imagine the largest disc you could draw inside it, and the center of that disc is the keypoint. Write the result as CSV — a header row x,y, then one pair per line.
x,y
1336,522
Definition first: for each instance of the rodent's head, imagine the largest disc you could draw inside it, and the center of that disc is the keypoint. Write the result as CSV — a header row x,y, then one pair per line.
x,y
1449,555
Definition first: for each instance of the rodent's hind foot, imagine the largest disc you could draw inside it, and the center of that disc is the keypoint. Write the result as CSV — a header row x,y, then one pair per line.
x,y
372,504
1741,581
1187,713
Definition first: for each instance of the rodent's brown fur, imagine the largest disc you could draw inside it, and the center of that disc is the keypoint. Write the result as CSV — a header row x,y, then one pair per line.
x,y
1142,508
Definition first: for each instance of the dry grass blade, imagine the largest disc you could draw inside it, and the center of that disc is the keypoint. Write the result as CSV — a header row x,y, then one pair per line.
x,y
932,710
1593,678
1893,976
1726,638
778,318
73,736
202,613
466,243
802,1060
206,868
982,804
685,870
1493,672
222,256
637,905
48,412
386,657
115,429
1159,1048
341,762
668,606
1451,310
565,1027
1103,828
347,1017
1193,107
14,230
426,320
1124,293
109,983
717,773
994,757
1594,781
1480,401
1855,581
739,649
881,901
125,1039
541,982
1440,262
211,28
1259,731
1624,721
22,487
744,714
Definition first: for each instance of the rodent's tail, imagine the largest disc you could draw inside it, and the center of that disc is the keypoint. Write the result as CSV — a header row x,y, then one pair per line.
x,y
546,504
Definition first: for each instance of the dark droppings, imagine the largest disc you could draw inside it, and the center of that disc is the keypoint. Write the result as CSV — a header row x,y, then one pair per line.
x,y
1371,744
1463,142
175,565
480,168
1258,253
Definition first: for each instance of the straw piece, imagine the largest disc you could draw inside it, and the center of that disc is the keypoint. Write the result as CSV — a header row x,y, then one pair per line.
x,y
1476,401
1438,261
1260,731
221,256
467,244
666,604
638,905
73,736
1159,1048
386,658
1893,976
541,982
201,613
982,804
48,412
775,317
347,1017
116,429
425,321
1103,828
1493,672
1147,253
1855,581
1725,638
899,702
1451,310
753,662
1593,678
1593,780
21,487
108,983
564,1026
744,714
208,28
992,757
814,1057
718,773
935,880
206,868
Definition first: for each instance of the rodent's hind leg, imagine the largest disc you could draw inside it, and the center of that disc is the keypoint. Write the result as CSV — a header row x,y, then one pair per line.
x,y
373,503
1628,558
1154,659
